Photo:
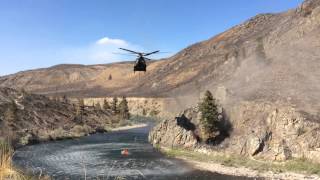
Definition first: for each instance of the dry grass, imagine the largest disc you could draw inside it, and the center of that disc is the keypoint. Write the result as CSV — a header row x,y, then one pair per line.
x,y
295,165
7,171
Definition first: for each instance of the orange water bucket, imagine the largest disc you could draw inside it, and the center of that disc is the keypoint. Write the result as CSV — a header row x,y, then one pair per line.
x,y
125,152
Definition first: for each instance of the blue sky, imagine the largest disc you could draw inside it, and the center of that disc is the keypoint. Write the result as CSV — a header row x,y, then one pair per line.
x,y
42,33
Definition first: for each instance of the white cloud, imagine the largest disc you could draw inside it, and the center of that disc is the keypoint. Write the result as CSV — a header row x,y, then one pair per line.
x,y
113,42
104,50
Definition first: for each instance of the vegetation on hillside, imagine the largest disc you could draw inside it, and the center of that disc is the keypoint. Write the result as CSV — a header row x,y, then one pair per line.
x,y
10,114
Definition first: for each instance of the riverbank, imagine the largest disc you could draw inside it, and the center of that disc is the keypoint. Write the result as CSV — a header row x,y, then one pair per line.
x,y
241,166
9,171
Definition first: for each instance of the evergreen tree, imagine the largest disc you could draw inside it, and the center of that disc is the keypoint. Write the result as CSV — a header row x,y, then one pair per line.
x,y
124,109
65,99
80,107
114,104
106,105
209,114
97,106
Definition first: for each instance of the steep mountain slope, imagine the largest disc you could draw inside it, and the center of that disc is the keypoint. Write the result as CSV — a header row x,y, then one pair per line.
x,y
270,57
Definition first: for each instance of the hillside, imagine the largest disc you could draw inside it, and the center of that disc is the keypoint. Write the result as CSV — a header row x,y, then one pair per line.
x,y
27,118
265,75
269,57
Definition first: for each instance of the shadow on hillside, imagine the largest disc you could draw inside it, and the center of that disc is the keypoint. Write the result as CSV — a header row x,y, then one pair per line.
x,y
224,127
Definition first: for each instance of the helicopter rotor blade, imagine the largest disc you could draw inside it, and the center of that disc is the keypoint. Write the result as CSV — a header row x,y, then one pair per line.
x,y
130,51
148,59
163,52
147,54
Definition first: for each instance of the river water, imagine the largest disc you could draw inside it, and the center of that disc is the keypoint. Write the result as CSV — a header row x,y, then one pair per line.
x,y
99,157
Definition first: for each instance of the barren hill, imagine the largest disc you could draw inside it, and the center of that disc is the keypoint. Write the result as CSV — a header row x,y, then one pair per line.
x,y
270,57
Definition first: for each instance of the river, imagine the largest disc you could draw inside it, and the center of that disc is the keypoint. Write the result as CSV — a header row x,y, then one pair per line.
x,y
98,157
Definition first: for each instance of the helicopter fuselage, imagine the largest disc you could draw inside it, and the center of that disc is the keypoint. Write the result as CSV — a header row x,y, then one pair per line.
x,y
140,64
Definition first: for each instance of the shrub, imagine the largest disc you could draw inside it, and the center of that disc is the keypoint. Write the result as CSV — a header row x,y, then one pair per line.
x,y
59,133
78,131
11,112
106,105
154,112
97,106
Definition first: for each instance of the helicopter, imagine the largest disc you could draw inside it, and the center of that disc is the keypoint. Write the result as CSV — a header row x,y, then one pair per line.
x,y
140,64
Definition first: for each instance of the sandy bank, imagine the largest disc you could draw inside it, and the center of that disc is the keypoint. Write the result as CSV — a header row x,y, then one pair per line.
x,y
129,127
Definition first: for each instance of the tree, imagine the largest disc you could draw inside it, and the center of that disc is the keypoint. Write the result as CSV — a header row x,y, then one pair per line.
x,y
80,108
124,109
114,104
209,115
106,105
65,99
97,106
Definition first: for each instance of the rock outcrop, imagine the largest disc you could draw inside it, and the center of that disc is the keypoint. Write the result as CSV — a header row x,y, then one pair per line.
x,y
281,132
264,130
179,132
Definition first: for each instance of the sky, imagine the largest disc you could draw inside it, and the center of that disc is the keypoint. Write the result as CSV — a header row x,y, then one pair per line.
x,y
43,33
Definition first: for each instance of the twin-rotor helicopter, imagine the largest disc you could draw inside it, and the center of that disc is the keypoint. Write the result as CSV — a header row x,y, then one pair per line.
x,y
140,63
